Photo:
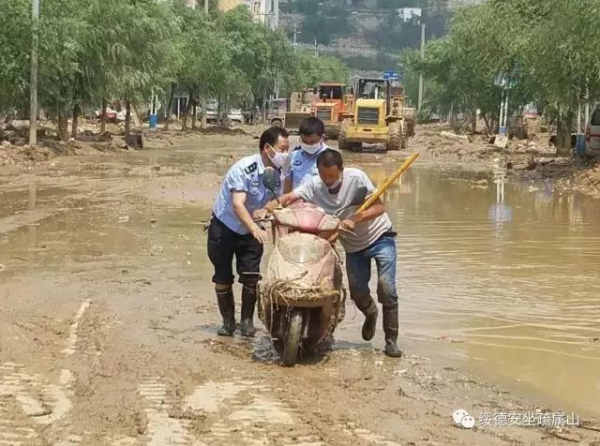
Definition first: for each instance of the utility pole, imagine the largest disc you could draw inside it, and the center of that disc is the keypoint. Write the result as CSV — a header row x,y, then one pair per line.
x,y
33,106
422,57
295,34
206,6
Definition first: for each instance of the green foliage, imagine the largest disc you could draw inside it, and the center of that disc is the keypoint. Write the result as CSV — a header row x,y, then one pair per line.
x,y
15,45
104,50
547,47
308,70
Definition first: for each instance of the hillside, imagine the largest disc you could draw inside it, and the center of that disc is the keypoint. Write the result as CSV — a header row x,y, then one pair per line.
x,y
366,34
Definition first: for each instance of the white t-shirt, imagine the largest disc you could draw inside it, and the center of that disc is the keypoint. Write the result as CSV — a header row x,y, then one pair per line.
x,y
356,188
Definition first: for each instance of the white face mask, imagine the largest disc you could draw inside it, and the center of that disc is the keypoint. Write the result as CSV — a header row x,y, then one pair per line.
x,y
279,159
335,185
311,150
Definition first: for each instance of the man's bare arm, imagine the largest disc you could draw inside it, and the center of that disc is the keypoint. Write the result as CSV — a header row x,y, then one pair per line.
x,y
377,209
288,185
239,201
284,201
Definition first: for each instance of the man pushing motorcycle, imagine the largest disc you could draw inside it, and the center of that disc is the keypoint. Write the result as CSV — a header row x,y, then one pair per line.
x,y
366,236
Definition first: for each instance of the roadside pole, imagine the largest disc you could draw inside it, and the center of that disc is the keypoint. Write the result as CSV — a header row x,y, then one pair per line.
x,y
33,99
421,82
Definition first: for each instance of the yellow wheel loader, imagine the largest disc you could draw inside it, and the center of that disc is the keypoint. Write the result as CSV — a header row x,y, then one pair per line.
x,y
379,117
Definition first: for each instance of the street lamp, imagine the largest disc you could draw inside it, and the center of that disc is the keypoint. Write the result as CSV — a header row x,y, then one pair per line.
x,y
296,32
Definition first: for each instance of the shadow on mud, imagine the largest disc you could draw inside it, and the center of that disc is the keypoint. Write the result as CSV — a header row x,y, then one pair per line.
x,y
260,349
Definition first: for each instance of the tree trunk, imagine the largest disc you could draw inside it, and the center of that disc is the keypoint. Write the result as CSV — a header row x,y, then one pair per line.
x,y
186,113
203,116
127,118
63,127
74,125
219,111
488,128
103,117
194,116
264,106
563,134
170,106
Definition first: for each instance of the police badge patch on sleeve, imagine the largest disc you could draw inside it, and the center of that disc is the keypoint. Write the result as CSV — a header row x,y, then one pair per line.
x,y
251,168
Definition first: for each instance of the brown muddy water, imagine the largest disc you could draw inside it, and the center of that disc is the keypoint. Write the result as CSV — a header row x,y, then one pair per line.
x,y
502,279
506,275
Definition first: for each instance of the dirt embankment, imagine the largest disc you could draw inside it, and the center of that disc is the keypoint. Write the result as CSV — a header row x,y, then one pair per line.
x,y
14,149
534,159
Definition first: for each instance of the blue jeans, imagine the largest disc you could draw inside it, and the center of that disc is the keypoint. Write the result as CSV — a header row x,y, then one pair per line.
x,y
358,267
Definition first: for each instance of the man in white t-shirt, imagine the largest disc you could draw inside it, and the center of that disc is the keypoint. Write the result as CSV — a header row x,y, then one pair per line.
x,y
341,192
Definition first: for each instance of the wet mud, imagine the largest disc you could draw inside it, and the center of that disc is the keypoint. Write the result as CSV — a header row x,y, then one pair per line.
x,y
108,320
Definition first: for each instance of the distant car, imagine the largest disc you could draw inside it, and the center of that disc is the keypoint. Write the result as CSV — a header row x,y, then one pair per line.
x,y
112,115
235,116
212,116
592,135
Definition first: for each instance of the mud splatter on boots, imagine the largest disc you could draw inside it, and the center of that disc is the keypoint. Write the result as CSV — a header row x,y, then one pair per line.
x,y
227,310
248,303
390,328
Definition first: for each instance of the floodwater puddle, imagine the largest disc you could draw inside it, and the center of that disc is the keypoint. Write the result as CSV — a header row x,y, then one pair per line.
x,y
506,275
502,278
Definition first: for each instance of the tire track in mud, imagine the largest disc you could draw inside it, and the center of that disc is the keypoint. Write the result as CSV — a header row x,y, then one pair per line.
x,y
230,412
28,402
162,429
311,427
14,430
73,336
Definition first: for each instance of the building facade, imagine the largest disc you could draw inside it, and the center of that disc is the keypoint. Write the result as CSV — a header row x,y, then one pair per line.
x,y
263,11
408,14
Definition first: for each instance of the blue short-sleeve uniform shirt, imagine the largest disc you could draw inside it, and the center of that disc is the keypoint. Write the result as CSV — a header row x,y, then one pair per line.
x,y
302,166
244,176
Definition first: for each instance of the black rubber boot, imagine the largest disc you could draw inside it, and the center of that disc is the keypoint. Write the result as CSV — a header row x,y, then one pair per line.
x,y
227,310
248,304
390,328
368,307
370,324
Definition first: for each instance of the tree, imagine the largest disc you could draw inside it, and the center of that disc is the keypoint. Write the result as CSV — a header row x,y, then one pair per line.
x,y
15,44
99,51
148,29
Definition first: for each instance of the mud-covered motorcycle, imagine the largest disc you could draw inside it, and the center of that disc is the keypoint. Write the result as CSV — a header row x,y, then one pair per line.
x,y
301,296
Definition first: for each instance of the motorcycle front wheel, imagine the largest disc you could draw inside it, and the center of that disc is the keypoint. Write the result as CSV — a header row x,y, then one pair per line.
x,y
293,338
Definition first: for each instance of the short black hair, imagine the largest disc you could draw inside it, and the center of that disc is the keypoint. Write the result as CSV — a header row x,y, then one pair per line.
x,y
271,136
330,158
312,126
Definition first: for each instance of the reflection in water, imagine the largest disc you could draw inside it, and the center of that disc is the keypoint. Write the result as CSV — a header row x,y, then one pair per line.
x,y
32,229
520,295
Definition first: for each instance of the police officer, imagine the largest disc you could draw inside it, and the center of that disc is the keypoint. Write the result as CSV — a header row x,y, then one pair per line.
x,y
303,159
233,232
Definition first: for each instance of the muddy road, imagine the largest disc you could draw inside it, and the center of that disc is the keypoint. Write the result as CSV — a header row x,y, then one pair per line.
x,y
108,319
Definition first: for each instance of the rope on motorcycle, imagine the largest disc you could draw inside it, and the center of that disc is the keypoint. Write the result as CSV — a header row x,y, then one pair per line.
x,y
289,291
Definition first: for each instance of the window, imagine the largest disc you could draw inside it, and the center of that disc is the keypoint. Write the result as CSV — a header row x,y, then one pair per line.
x,y
596,118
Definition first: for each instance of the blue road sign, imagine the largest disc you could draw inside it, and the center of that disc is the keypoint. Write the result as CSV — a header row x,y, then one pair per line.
x,y
391,75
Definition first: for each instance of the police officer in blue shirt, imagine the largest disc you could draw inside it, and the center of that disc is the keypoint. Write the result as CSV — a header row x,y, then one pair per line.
x,y
233,232
303,160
